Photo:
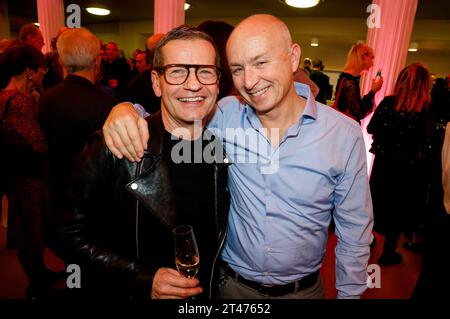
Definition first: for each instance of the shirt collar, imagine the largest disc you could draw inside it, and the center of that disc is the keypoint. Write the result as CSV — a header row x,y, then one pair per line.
x,y
310,110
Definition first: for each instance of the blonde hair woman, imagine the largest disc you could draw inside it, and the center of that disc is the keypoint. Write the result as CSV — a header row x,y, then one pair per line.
x,y
348,99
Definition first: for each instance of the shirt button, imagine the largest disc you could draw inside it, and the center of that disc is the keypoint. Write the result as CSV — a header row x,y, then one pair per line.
x,y
265,273
226,160
268,193
134,186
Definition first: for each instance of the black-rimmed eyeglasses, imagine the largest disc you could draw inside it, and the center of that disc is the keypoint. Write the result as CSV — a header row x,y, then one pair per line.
x,y
176,74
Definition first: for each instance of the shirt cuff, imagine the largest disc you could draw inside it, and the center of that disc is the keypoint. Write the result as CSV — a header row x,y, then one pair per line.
x,y
140,109
344,296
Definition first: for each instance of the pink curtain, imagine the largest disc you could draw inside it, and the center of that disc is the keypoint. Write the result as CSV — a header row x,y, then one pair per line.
x,y
168,15
51,19
390,43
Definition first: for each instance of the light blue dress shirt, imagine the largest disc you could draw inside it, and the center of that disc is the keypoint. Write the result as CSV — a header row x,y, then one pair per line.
x,y
282,199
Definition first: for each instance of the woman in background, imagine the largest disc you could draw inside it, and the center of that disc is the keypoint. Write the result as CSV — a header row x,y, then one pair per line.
x,y
434,267
398,181
24,151
348,99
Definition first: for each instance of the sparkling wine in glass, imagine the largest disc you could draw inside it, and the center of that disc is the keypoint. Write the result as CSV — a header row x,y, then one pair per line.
x,y
187,257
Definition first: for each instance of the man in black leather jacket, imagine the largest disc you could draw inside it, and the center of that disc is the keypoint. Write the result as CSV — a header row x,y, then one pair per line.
x,y
117,218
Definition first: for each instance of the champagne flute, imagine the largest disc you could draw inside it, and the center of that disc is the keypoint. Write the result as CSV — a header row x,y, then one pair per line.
x,y
187,258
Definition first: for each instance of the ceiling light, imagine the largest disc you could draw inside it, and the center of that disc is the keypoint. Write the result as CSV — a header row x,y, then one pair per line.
x,y
413,47
37,24
98,11
314,42
186,6
302,3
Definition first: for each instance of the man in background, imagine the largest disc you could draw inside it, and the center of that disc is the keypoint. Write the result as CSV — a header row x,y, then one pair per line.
x,y
142,63
31,34
72,110
116,70
140,89
322,80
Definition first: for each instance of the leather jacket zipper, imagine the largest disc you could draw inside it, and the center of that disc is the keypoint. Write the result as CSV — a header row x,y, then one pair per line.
x,y
138,173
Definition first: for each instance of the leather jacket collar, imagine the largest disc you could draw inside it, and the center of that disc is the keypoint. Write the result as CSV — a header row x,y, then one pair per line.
x,y
151,184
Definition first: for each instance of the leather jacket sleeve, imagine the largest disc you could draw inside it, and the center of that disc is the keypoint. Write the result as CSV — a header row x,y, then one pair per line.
x,y
85,226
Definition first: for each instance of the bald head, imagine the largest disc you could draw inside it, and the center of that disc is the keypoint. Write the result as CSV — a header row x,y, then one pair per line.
x,y
262,59
263,25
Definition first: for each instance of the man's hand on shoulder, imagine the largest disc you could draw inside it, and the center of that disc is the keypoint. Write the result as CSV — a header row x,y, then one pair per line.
x,y
126,132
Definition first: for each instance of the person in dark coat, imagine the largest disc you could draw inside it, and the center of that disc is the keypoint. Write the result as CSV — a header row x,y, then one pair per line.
x,y
116,70
140,88
118,215
24,161
322,80
398,181
75,108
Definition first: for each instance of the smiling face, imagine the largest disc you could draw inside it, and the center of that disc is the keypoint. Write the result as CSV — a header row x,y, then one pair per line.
x,y
182,104
262,60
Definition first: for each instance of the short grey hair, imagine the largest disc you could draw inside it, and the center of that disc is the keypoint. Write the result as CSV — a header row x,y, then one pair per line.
x,y
78,49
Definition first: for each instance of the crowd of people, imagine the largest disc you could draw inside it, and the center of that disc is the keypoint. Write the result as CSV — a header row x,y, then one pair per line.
x,y
260,200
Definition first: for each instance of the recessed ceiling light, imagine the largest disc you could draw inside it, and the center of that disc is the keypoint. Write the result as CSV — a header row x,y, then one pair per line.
x,y
302,3
314,42
413,47
98,11
186,6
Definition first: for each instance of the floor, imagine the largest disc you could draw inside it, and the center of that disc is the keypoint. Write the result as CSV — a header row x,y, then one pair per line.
x,y
397,282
